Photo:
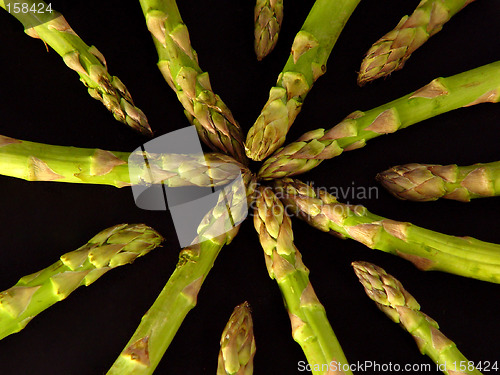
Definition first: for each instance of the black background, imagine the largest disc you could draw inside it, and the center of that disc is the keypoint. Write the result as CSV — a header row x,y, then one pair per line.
x,y
43,101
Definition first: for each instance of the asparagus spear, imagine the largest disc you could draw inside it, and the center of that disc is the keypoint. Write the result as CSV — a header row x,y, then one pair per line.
x,y
429,182
400,306
237,344
427,250
441,95
158,327
307,62
113,247
390,52
178,63
268,16
40,162
88,62
310,326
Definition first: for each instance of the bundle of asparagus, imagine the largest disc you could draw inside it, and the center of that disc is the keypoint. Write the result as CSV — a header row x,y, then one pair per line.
x,y
429,182
178,62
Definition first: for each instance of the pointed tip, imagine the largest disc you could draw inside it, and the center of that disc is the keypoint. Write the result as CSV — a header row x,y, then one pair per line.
x,y
142,126
146,130
359,268
361,81
355,264
365,77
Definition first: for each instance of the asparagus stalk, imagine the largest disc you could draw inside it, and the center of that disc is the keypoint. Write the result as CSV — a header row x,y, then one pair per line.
x,y
40,162
390,52
426,249
32,294
158,327
310,326
88,62
307,62
268,16
429,182
441,95
400,306
237,343
178,63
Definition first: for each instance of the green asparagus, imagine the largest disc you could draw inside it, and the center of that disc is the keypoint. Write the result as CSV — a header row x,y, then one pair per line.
x,y
178,63
237,344
158,327
475,86
113,247
390,52
307,62
429,182
88,62
400,306
310,326
427,250
40,162
268,16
